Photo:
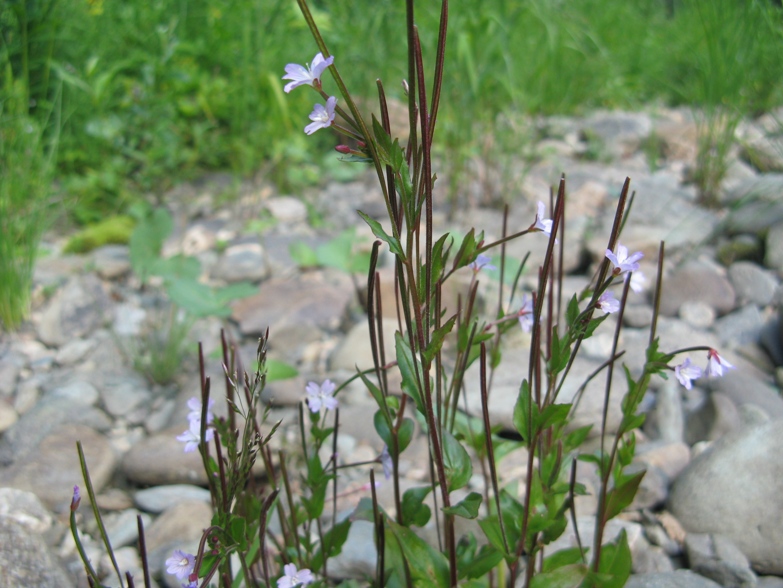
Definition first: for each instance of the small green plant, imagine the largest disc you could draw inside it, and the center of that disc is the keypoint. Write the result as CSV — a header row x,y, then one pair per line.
x,y
113,230
342,253
162,347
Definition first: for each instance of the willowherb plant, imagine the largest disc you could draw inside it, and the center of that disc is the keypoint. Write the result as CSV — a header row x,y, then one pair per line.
x,y
433,348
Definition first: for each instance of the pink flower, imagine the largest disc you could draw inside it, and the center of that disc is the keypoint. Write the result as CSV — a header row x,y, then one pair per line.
x,y
306,76
607,303
686,372
637,281
322,116
481,261
322,396
194,404
192,437
180,564
716,365
525,314
622,262
294,577
542,224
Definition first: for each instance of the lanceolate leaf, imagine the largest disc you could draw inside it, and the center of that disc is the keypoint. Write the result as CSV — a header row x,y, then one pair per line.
x,y
377,229
622,495
405,361
456,462
467,508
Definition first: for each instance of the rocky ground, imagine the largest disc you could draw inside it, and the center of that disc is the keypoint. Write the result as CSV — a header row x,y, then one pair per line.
x,y
711,499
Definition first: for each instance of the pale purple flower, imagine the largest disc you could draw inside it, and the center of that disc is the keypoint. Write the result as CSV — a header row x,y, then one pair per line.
x,y
607,303
193,584
194,404
192,437
686,372
638,280
482,261
306,76
622,262
294,577
322,116
77,498
386,462
180,564
525,314
716,364
542,224
322,396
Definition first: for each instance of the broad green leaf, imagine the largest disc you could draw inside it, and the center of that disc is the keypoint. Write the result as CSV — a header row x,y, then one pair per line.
x,y
491,527
196,298
377,229
486,559
236,529
467,508
147,239
622,495
414,511
406,363
428,566
226,294
436,342
554,414
562,558
333,542
615,562
179,266
279,370
524,421
570,576
303,255
456,462
405,434
383,427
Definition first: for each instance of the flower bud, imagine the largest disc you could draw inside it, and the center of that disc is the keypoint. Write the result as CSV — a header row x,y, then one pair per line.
x,y
77,498
344,149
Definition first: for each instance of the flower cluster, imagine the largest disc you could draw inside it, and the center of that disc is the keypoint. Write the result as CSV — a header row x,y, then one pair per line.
x,y
686,372
310,75
192,437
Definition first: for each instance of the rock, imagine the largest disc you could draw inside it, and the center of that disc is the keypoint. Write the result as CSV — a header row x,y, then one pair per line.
x,y
740,248
717,558
653,489
244,262
181,524
128,320
652,560
743,388
716,417
614,527
8,416
770,582
697,314
74,351
697,281
76,391
771,339
761,147
755,217
740,327
668,418
127,560
10,366
733,489
53,469
26,559
121,394
24,508
159,498
287,209
621,133
752,283
773,258
358,557
112,261
355,349
670,458
122,527
74,311
678,579
160,459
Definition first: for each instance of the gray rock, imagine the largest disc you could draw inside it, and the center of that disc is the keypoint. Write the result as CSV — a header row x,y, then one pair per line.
x,y
771,340
697,281
652,560
668,418
76,391
359,554
697,314
121,394
128,320
244,262
740,327
733,489
53,469
670,458
74,311
24,508
122,527
752,283
653,489
160,459
112,261
755,217
743,388
761,147
159,498
678,579
770,582
8,416
739,248
287,209
10,366
26,559
717,558
773,257
621,133
355,350
181,525
73,351
716,417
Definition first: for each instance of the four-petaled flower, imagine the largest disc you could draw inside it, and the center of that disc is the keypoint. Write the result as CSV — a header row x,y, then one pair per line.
x,y
180,564
716,365
623,262
525,314
294,577
321,396
386,462
322,116
686,372
306,76
192,437
607,303
637,281
542,224
481,261
194,404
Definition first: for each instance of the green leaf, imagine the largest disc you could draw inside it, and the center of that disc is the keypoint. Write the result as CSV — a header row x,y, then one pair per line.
x,y
236,529
383,426
562,558
570,576
428,566
554,414
196,298
622,495
333,542
467,508
303,255
616,562
377,230
524,421
405,434
179,266
491,527
374,390
436,342
456,462
279,370
480,565
414,511
383,142
147,239
406,364
226,294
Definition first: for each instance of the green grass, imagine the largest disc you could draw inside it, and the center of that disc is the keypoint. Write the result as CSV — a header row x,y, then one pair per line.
x,y
156,92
